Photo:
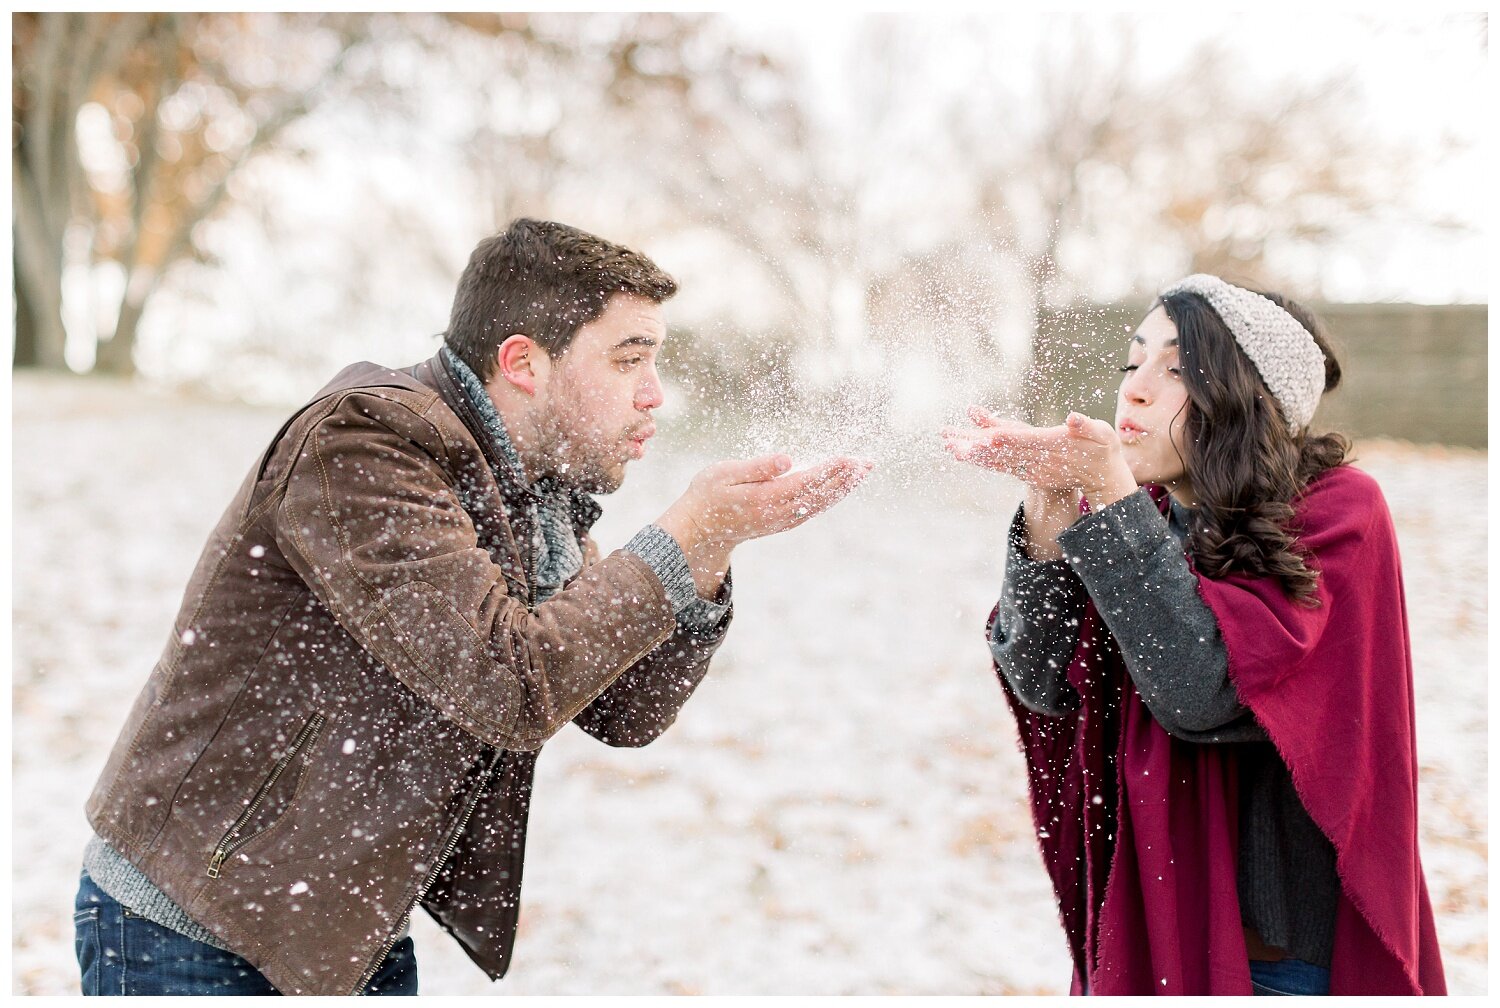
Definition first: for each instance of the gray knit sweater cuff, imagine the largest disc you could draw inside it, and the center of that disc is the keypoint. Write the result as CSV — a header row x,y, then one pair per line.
x,y
656,546
129,886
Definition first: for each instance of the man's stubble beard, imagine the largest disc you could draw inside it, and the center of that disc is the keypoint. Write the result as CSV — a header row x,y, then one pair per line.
x,y
591,479
574,465
577,462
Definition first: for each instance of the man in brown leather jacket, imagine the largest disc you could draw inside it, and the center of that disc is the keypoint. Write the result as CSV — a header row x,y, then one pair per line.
x,y
400,605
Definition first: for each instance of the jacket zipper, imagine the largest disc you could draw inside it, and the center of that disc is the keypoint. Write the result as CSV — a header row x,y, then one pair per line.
x,y
432,876
228,845
536,560
463,821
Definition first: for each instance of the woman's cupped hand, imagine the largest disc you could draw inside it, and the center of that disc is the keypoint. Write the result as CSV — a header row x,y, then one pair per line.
x,y
1082,453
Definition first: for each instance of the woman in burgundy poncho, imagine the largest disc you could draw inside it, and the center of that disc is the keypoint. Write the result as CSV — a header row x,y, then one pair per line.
x,y
1210,670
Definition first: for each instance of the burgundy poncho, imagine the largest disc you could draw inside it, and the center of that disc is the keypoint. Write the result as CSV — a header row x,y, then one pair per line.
x,y
1138,829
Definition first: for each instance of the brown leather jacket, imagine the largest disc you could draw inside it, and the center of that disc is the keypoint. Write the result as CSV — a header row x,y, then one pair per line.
x,y
345,720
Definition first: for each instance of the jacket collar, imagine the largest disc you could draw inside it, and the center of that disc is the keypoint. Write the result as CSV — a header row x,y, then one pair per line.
x,y
439,372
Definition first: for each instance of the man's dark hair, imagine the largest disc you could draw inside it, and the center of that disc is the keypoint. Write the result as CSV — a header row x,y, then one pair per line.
x,y
544,280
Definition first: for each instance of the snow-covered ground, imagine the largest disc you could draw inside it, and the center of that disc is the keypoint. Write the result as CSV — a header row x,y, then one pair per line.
x,y
839,810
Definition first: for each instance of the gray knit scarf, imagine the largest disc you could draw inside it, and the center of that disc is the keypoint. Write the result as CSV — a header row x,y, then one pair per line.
x,y
558,554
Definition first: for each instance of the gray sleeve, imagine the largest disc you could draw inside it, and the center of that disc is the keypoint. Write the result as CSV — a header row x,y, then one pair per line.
x,y
1137,573
708,617
1035,630
656,546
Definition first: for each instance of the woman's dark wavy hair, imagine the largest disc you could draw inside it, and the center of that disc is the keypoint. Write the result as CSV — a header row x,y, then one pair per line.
x,y
1245,466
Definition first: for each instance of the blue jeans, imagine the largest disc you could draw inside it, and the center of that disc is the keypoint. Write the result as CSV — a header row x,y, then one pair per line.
x,y
121,952
1288,976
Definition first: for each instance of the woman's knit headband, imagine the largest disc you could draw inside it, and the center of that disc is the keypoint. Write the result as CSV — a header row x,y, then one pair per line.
x,y
1281,349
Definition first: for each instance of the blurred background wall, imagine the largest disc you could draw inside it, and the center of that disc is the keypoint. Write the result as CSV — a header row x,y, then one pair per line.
x,y
1416,372
914,210
1411,371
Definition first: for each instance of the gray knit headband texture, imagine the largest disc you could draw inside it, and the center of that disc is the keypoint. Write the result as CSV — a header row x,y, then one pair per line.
x,y
1284,353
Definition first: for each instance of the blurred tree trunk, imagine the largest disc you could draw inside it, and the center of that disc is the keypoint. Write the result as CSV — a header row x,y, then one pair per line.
x,y
40,338
58,60
26,349
116,355
151,178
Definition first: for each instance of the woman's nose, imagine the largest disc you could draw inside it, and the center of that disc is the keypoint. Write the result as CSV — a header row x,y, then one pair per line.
x,y
1135,388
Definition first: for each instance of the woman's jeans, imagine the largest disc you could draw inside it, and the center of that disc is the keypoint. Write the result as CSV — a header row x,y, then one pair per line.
x,y
120,952
1288,976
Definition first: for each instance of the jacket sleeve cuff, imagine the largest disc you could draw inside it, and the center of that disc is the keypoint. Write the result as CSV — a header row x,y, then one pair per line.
x,y
1020,564
656,546
1041,599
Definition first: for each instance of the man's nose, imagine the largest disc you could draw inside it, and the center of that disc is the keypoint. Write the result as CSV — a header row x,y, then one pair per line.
x,y
650,394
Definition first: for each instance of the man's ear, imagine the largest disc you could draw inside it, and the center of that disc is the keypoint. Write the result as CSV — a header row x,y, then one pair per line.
x,y
522,363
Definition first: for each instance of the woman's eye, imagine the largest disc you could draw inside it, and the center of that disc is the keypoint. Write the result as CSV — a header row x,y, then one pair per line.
x,y
1129,367
1175,370
631,362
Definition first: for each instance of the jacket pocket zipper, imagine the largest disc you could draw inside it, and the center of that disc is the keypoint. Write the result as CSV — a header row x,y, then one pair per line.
x,y
232,841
